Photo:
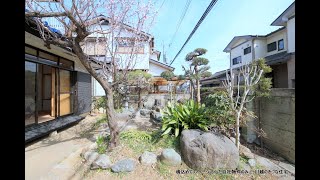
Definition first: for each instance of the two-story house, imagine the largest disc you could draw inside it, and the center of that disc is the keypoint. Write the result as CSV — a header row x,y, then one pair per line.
x,y
277,47
146,58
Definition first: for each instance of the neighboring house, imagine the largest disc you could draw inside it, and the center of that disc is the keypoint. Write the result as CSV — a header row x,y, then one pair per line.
x,y
215,80
146,57
278,48
57,86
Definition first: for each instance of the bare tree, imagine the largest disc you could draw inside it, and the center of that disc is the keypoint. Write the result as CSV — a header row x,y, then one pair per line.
x,y
249,75
113,28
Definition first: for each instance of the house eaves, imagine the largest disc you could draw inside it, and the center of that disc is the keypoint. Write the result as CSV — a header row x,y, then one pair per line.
x,y
273,32
237,38
216,75
161,64
285,16
278,58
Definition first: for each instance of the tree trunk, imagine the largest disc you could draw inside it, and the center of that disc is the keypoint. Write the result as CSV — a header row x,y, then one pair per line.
x,y
112,122
237,130
198,91
139,98
110,113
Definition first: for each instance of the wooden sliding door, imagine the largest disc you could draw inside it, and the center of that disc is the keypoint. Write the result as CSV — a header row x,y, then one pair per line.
x,y
65,92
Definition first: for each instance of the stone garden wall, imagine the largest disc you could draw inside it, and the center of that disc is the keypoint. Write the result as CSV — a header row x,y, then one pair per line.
x,y
277,119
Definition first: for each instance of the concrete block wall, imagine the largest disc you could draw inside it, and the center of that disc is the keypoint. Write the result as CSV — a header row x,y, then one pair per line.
x,y
277,118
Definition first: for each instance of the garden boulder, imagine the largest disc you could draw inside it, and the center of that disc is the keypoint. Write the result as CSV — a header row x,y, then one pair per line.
x,y
170,157
90,156
148,158
155,116
125,165
103,162
205,150
244,151
144,112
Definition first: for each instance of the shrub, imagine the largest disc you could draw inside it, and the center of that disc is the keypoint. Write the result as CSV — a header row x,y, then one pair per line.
x,y
218,111
99,102
177,117
167,75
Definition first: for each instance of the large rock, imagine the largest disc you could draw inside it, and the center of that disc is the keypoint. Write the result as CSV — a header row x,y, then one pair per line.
x,y
156,116
103,162
125,165
157,109
267,163
205,150
148,104
244,151
144,112
170,157
148,158
90,156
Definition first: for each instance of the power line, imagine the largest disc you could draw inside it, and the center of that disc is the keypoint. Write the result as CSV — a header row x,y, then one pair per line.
x,y
213,2
180,21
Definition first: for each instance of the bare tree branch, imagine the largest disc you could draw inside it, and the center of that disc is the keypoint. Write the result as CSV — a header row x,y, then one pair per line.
x,y
39,14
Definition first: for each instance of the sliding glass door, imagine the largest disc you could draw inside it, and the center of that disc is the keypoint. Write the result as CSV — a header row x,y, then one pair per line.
x,y
48,86
30,73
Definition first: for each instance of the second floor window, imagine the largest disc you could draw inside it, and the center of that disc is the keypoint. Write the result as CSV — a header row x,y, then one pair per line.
x,y
247,50
128,46
236,60
280,45
272,46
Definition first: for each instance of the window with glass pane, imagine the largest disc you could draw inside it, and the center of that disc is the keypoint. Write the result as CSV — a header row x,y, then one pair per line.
x,y
247,50
48,58
272,46
30,92
236,60
280,45
66,63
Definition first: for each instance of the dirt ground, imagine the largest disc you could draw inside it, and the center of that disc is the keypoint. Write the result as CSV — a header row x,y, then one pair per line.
x,y
48,152
158,170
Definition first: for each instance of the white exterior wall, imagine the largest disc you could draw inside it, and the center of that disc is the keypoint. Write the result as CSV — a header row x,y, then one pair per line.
x,y
97,89
291,35
275,37
156,70
154,57
139,61
238,51
260,47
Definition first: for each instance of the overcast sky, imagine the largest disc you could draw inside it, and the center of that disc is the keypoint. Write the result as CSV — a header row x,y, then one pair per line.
x,y
228,18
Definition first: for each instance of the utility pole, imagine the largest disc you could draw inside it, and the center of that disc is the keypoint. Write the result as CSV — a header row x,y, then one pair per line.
x,y
164,58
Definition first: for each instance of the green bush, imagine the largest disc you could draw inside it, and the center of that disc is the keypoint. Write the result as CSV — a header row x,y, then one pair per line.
x,y
177,117
219,112
167,75
99,102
